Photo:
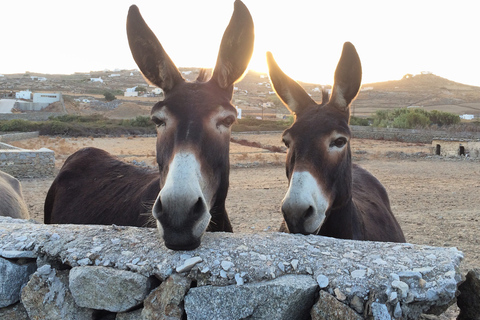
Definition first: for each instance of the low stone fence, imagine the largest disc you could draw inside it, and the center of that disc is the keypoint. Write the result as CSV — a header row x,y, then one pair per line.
x,y
22,163
8,137
407,135
31,116
81,272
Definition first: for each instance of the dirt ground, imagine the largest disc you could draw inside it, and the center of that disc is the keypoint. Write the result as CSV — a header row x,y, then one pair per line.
x,y
436,200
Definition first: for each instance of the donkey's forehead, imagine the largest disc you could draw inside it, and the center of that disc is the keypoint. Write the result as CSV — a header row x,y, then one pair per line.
x,y
320,120
195,98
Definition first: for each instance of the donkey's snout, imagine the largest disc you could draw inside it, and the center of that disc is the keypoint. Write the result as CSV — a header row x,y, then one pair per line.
x,y
295,217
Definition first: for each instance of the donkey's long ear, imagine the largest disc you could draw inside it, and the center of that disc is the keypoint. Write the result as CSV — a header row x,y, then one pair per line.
x,y
348,77
149,54
236,48
287,89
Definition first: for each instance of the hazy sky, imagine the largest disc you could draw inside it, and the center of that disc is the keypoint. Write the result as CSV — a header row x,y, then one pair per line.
x,y
392,37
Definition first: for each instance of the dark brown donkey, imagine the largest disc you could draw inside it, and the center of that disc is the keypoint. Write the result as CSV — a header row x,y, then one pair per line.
x,y
193,134
327,195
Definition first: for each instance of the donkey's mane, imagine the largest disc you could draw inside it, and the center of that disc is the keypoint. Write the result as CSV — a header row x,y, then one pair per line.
x,y
325,96
204,75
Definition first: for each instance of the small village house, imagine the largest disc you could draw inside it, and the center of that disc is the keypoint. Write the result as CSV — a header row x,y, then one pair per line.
x,y
130,92
456,147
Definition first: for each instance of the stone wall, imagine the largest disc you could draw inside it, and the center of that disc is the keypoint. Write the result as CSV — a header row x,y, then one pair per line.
x,y
32,116
16,136
407,135
22,163
82,272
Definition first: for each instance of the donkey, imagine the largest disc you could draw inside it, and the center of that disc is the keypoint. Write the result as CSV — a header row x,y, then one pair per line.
x,y
192,150
327,194
12,203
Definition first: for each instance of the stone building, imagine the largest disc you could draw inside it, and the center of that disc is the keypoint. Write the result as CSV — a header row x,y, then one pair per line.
x,y
456,147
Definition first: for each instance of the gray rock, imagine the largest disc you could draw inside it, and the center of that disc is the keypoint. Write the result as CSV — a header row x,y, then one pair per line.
x,y
402,288
132,315
469,299
166,301
14,312
108,289
380,311
46,296
397,312
357,304
287,297
14,275
329,308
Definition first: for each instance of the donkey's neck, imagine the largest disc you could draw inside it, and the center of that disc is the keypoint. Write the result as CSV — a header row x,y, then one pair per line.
x,y
219,220
343,222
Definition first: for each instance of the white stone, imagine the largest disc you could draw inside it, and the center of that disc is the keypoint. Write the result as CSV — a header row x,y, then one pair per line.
x,y
226,265
322,281
188,264
402,286
360,273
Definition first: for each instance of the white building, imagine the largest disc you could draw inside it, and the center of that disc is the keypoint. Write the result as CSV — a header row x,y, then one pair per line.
x,y
27,95
130,92
157,91
38,78
467,116
96,79
46,98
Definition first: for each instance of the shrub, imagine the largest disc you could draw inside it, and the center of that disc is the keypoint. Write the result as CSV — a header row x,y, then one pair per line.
x,y
356,121
406,118
109,96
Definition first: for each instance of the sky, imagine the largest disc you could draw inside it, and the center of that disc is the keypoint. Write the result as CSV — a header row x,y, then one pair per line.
x,y
392,38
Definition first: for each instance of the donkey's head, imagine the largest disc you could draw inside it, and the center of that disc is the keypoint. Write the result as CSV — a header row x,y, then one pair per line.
x,y
318,162
193,129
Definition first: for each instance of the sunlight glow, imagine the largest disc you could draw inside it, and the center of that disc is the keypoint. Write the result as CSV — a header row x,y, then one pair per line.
x,y
305,37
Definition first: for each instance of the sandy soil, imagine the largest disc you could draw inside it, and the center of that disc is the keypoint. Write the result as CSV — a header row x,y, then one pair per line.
x,y
436,200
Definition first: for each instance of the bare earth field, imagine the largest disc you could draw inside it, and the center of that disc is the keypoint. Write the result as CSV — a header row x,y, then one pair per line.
x,y
436,200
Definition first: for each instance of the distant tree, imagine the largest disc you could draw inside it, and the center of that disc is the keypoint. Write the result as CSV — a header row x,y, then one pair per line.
x,y
141,89
109,96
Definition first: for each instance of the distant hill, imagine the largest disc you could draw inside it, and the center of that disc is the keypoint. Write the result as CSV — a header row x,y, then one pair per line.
x,y
255,96
424,90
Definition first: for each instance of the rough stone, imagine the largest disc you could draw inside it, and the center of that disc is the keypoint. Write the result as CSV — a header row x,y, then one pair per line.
x,y
469,299
46,296
108,289
402,287
166,301
14,312
357,304
329,308
380,311
132,315
188,264
287,297
14,275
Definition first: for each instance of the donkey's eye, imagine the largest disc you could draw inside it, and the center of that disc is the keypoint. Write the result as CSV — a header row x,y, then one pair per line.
x,y
339,142
227,122
158,122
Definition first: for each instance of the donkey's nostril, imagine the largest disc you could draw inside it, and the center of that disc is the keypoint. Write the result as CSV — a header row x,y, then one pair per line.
x,y
308,213
199,207
157,208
